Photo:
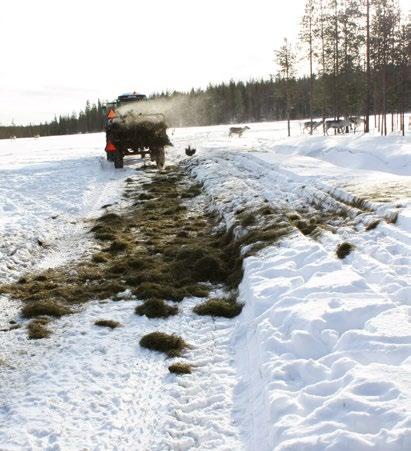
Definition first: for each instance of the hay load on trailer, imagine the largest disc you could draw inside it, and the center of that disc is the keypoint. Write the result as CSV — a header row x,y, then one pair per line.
x,y
129,132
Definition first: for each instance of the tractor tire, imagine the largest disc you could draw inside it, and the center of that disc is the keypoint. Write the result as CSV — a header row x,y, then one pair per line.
x,y
118,159
110,156
160,158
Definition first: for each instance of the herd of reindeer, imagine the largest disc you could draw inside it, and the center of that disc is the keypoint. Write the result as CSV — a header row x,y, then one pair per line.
x,y
340,125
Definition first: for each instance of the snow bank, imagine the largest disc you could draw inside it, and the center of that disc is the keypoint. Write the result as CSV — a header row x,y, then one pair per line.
x,y
324,356
374,153
323,345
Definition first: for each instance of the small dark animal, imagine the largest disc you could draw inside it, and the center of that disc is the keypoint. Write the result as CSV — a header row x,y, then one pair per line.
x,y
190,152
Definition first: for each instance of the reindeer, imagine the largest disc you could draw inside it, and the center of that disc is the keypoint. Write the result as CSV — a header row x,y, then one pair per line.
x,y
356,122
339,125
312,125
238,131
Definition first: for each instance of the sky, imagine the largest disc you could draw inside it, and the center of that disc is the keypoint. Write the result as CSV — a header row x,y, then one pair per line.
x,y
56,54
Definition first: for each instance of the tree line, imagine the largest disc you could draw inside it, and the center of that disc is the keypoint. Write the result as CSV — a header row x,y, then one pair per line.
x,y
357,55
89,120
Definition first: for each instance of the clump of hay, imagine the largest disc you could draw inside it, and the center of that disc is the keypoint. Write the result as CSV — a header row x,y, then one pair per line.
x,y
210,268
192,191
180,368
267,210
99,258
200,264
267,235
107,323
37,329
372,225
104,237
305,227
227,308
392,218
156,308
172,345
110,218
118,246
47,308
344,249
248,219
293,216
148,290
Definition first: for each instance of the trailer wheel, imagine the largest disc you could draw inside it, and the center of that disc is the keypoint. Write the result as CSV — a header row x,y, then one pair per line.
x,y
118,159
160,158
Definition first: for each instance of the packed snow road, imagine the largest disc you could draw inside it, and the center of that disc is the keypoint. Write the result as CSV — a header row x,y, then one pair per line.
x,y
320,358
48,187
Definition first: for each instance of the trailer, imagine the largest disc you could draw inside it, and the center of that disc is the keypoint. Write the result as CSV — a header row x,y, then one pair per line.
x,y
129,132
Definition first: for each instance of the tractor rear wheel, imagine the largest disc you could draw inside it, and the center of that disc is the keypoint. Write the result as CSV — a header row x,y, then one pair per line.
x,y
118,159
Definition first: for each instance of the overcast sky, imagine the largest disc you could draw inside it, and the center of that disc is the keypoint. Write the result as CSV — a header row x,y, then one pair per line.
x,y
56,54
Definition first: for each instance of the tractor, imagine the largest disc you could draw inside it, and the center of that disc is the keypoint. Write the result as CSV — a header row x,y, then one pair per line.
x,y
129,132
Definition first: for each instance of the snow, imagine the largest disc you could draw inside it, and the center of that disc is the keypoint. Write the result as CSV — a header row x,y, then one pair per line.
x,y
49,188
320,358
94,388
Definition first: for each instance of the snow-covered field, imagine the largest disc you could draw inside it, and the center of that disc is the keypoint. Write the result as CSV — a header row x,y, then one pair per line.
x,y
320,358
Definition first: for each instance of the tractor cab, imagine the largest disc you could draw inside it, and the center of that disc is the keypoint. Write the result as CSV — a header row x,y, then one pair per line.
x,y
130,97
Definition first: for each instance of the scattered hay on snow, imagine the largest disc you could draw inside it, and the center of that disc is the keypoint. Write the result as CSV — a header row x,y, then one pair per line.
x,y
344,249
225,307
180,368
109,323
172,345
37,329
47,308
156,308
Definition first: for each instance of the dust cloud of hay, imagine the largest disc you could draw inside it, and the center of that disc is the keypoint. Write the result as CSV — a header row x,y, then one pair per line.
x,y
178,110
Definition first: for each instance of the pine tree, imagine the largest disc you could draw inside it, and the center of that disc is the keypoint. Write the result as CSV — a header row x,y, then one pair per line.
x,y
308,38
286,62
384,25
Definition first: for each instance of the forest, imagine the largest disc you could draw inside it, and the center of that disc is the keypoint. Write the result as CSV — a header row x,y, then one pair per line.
x,y
356,58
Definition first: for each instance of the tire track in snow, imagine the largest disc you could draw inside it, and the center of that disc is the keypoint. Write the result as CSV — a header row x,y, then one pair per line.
x,y
201,416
